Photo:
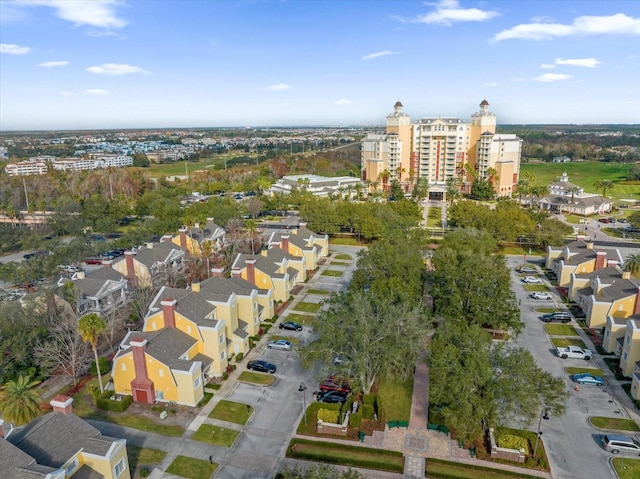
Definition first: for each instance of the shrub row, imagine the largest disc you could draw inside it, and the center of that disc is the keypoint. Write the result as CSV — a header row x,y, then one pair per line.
x,y
104,402
456,470
379,459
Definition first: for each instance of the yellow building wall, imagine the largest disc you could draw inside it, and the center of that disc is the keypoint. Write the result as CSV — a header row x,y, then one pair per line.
x,y
299,266
623,307
187,393
598,317
575,285
248,312
211,347
162,379
616,331
263,280
122,379
323,242
104,466
551,255
139,269
586,267
310,260
154,322
266,301
504,186
565,275
628,366
193,247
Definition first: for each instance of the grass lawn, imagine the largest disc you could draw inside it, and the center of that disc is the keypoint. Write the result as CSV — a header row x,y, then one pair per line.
x,y
140,457
626,468
560,330
218,436
354,456
434,218
287,338
231,411
332,273
395,398
585,174
318,291
592,371
344,256
437,468
541,288
304,319
191,468
564,342
615,423
251,377
519,250
546,310
339,263
345,241
307,307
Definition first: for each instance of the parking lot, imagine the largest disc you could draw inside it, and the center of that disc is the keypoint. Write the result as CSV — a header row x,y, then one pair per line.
x,y
570,441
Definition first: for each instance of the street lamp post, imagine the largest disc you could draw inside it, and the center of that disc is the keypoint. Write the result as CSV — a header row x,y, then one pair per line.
x,y
303,388
543,415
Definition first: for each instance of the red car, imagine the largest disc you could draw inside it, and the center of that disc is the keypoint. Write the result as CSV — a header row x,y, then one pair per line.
x,y
93,261
334,386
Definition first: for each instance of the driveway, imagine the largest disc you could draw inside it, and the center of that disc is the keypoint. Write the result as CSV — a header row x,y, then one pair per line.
x,y
571,443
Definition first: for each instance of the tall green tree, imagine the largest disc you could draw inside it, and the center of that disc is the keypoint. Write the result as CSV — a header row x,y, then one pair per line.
x,y
19,402
90,327
380,338
606,185
632,263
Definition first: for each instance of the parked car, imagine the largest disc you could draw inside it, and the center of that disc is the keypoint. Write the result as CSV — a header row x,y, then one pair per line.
x,y
290,325
606,220
341,360
531,280
331,397
328,385
623,220
539,295
586,378
527,270
557,317
281,344
573,352
616,444
93,261
262,366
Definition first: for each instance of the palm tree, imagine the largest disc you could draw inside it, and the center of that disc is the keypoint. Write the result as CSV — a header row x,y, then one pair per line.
x,y
573,189
524,188
606,184
598,185
90,327
19,403
632,263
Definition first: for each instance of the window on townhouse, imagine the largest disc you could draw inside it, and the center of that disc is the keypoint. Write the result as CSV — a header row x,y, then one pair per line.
x,y
119,469
625,356
161,372
196,383
627,339
221,339
222,356
123,366
606,333
73,465
188,329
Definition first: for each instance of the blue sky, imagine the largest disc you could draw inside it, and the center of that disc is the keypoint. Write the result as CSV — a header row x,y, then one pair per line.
x,y
71,64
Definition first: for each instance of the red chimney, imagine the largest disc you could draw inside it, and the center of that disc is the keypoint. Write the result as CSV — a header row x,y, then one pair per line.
x,y
284,243
169,312
131,270
142,388
62,404
218,272
601,259
302,225
236,273
183,238
637,309
251,270
107,263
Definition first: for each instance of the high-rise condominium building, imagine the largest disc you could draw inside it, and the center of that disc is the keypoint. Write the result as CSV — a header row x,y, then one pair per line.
x,y
442,149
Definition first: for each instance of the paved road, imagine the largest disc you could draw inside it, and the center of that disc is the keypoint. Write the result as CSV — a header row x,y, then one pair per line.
x,y
571,443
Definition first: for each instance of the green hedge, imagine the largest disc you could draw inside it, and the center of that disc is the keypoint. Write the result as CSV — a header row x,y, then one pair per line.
x,y
331,453
328,415
470,467
369,399
104,402
105,366
367,411
511,441
239,357
355,419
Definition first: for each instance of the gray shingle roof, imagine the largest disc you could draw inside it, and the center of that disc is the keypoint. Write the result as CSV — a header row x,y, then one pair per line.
x,y
165,345
160,252
54,438
105,273
17,464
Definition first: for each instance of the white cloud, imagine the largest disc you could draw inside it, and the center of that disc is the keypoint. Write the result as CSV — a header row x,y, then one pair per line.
x,y
342,101
551,77
448,12
95,91
490,83
587,25
372,56
579,62
277,87
115,69
547,66
13,49
54,64
65,93
94,13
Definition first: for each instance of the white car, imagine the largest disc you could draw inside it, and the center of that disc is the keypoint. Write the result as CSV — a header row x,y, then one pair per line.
x,y
281,344
527,270
539,295
531,280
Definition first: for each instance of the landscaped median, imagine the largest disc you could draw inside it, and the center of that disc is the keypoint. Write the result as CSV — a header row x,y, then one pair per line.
x,y
261,379
191,468
614,423
560,330
231,411
438,468
345,455
626,468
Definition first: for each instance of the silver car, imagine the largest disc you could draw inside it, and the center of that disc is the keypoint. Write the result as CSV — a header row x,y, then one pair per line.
x,y
281,344
617,444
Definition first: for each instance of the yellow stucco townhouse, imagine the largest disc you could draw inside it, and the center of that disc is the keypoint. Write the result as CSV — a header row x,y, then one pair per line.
x,y
152,263
270,270
60,445
579,257
604,292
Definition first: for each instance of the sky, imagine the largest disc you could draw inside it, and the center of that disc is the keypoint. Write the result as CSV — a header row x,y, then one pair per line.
x,y
91,64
